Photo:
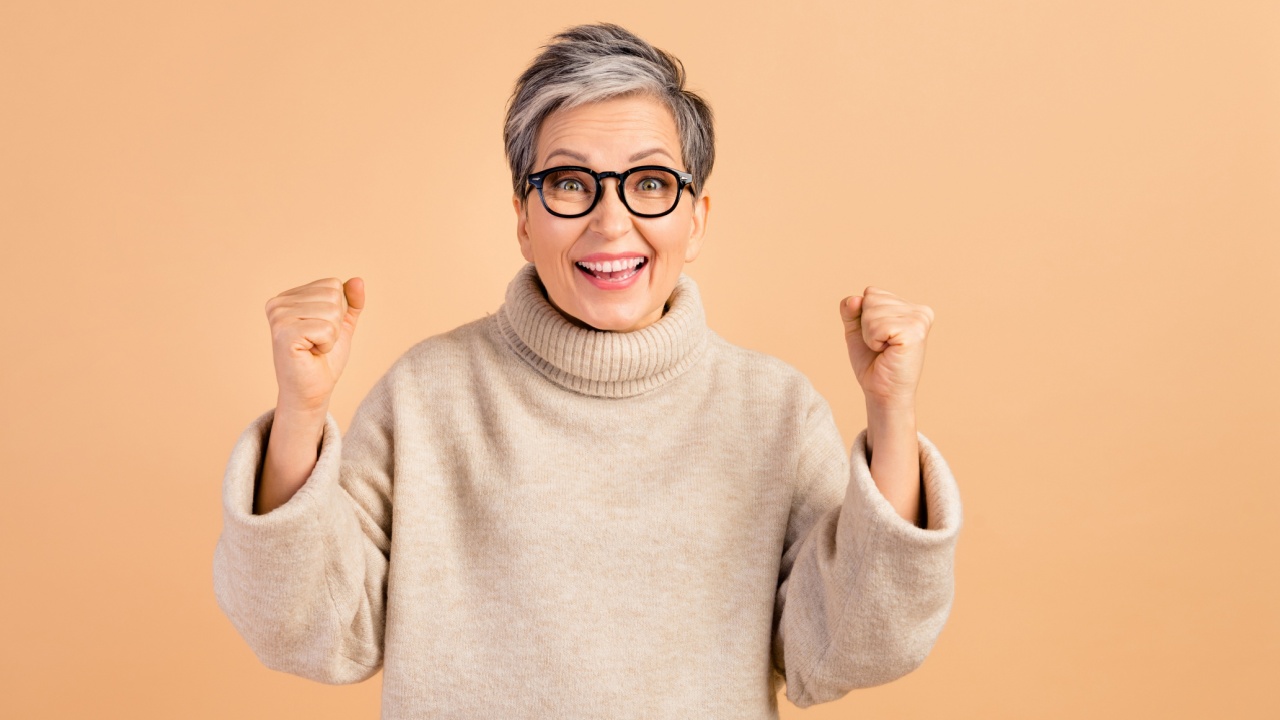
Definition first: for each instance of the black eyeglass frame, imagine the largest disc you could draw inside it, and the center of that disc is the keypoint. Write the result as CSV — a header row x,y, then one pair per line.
x,y
683,180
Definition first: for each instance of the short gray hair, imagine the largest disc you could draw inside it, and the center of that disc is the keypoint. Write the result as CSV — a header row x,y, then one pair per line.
x,y
591,63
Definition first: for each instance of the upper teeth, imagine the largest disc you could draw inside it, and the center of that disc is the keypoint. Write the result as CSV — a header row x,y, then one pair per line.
x,y
613,266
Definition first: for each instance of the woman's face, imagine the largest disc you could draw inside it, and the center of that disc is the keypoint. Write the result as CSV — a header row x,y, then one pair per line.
x,y
615,134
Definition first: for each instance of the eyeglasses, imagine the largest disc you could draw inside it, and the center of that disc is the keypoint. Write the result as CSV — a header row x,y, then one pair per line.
x,y
571,191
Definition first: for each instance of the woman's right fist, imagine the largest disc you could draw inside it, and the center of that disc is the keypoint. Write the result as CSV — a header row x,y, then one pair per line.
x,y
311,328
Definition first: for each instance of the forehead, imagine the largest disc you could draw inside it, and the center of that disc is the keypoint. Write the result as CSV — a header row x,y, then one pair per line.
x,y
610,131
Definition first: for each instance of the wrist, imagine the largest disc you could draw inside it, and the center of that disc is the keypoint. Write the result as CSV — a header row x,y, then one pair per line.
x,y
891,408
890,420
304,412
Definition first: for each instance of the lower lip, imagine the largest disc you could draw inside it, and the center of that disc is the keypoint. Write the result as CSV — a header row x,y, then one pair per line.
x,y
611,284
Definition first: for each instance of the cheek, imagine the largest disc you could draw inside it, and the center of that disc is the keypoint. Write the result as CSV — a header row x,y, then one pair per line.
x,y
551,238
669,237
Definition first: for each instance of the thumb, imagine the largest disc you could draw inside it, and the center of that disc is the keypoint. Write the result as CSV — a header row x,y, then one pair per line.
x,y
353,289
851,314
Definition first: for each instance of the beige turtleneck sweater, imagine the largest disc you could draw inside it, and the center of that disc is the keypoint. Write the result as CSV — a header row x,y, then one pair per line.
x,y
530,519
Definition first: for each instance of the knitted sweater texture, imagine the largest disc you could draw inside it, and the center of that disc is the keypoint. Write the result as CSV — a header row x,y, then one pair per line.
x,y
531,519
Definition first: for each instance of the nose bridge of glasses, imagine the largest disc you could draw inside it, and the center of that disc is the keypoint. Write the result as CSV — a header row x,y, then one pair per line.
x,y
618,183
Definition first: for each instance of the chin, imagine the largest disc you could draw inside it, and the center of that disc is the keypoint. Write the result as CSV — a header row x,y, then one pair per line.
x,y
610,323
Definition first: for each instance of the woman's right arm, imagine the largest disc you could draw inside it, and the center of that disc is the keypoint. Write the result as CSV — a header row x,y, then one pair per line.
x,y
311,330
300,567
292,449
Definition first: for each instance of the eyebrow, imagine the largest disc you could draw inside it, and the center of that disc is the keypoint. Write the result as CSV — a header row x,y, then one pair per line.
x,y
650,151
572,155
583,158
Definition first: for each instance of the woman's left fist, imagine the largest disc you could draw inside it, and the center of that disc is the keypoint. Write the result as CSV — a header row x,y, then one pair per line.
x,y
886,337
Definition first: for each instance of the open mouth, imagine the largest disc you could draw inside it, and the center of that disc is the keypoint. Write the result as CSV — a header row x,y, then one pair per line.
x,y
613,271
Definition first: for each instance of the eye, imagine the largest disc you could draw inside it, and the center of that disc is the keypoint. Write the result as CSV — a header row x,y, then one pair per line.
x,y
568,183
650,184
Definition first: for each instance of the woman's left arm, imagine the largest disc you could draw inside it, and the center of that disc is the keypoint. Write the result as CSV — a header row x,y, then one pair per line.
x,y
886,339
867,573
895,465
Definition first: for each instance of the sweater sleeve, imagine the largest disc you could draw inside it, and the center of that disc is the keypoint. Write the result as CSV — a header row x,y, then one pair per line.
x,y
862,594
305,584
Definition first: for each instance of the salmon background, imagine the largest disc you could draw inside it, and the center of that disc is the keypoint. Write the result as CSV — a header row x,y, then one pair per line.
x,y
1085,192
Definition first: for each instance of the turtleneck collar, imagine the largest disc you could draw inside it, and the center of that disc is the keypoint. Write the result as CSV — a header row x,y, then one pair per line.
x,y
600,362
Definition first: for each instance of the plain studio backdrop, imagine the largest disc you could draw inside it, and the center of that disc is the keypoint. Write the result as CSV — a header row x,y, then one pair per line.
x,y
1085,192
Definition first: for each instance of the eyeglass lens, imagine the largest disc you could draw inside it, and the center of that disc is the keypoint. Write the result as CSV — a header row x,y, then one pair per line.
x,y
645,191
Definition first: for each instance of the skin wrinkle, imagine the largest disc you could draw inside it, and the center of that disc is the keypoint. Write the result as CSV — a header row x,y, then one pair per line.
x,y
583,159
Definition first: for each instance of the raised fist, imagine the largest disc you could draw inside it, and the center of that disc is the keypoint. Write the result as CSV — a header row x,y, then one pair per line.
x,y
311,329
886,339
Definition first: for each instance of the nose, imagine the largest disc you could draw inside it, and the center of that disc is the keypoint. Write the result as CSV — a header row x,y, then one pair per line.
x,y
610,217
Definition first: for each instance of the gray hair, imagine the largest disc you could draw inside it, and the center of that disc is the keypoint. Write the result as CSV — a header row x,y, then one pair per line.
x,y
591,63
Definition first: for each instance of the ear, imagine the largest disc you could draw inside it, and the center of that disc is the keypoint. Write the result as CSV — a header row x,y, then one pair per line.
x,y
522,228
697,227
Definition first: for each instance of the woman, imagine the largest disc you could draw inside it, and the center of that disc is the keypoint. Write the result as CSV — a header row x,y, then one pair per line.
x,y
589,504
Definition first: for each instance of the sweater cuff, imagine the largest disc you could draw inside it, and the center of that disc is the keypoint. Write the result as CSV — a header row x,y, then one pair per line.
x,y
243,473
940,494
